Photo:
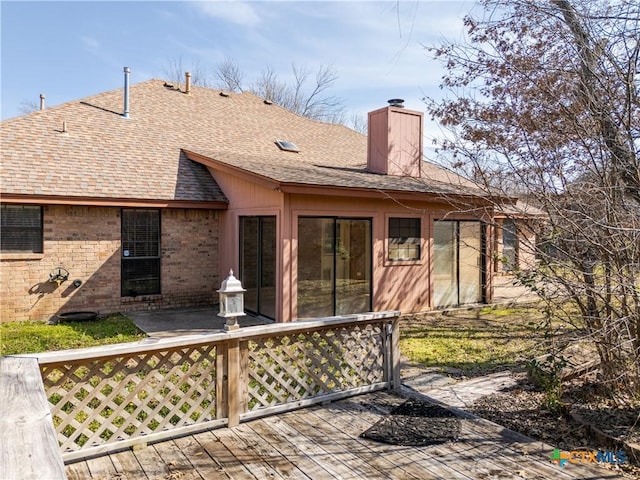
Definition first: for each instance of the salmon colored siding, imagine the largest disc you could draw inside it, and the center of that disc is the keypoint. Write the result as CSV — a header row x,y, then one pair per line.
x,y
404,285
395,142
248,199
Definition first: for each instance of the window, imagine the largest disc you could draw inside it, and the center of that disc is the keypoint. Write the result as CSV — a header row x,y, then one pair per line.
x,y
140,252
21,228
404,239
509,245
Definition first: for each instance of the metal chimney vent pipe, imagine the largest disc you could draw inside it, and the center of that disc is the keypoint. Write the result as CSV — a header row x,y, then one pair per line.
x,y
396,102
42,97
127,71
187,84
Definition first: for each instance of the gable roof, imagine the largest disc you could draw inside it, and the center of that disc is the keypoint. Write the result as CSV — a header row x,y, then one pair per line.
x,y
149,156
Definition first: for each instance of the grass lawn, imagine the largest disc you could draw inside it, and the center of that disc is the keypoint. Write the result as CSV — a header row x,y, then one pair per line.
x,y
34,337
475,342
469,342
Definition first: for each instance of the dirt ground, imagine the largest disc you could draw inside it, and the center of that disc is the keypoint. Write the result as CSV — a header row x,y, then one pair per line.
x,y
587,419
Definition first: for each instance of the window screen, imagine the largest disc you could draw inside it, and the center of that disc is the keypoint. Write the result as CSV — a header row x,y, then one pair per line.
x,y
140,252
21,228
404,239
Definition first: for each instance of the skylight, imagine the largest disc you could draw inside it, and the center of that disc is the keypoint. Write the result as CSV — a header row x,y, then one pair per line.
x,y
287,146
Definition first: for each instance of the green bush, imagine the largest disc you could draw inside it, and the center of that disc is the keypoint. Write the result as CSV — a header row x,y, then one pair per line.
x,y
546,374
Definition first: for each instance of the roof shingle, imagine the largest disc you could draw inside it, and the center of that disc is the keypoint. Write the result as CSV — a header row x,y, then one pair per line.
x,y
104,155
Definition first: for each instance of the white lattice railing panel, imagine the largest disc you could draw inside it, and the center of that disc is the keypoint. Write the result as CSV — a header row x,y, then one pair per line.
x,y
114,399
106,398
290,368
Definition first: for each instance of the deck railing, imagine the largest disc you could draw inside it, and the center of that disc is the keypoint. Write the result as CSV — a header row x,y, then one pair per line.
x,y
111,397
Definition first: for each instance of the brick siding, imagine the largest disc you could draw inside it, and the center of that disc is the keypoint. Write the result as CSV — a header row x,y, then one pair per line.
x,y
86,242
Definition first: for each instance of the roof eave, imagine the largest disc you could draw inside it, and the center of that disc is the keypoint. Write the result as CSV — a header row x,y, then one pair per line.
x,y
111,202
311,189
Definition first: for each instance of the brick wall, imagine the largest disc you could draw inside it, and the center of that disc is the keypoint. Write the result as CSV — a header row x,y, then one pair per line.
x,y
86,242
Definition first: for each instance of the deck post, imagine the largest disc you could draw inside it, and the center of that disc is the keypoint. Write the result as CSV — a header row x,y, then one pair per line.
x,y
395,353
233,381
222,384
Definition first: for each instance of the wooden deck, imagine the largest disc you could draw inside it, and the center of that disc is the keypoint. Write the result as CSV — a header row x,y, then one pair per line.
x,y
323,442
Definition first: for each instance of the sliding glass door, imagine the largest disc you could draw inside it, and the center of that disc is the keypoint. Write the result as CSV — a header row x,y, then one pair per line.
x,y
457,262
334,266
258,264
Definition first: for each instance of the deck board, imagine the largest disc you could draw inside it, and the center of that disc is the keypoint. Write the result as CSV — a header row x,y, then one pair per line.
x,y
202,462
152,464
177,463
284,467
241,445
230,466
102,467
406,459
329,440
308,448
323,442
389,463
127,466
279,440
79,471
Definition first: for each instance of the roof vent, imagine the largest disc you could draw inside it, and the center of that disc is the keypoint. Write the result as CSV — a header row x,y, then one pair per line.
x,y
267,101
287,146
125,112
396,102
187,83
224,94
42,98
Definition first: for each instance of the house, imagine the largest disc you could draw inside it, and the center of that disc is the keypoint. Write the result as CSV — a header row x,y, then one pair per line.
x,y
145,197
516,226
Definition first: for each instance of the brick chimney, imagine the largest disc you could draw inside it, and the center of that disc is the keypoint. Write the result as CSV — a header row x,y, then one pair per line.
x,y
395,141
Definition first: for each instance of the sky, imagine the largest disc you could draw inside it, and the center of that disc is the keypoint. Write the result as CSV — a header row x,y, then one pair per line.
x,y
75,49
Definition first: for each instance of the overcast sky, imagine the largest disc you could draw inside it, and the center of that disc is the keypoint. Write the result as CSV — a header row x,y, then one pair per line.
x,y
71,50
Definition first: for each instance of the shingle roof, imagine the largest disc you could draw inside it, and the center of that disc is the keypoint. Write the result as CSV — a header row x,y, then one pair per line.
x,y
104,155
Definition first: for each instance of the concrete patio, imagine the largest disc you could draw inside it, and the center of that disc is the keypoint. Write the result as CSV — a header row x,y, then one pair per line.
x,y
186,321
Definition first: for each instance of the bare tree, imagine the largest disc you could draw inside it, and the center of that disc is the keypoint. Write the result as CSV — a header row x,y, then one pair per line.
x,y
307,94
543,103
28,106
228,76
270,87
302,96
175,73
359,123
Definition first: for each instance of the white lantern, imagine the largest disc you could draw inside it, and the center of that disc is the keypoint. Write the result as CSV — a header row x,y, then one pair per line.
x,y
231,296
